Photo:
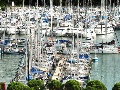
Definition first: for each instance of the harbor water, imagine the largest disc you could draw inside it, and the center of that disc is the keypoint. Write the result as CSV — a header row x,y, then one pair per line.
x,y
106,69
8,67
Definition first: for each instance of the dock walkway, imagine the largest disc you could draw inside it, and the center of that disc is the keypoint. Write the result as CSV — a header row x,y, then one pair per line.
x,y
59,68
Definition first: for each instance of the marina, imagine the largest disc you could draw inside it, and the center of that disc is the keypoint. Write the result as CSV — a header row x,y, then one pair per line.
x,y
98,70
59,43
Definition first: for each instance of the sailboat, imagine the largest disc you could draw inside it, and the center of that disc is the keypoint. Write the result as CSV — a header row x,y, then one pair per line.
x,y
95,59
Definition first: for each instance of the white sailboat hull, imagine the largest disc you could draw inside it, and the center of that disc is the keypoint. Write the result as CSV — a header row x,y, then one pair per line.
x,y
110,50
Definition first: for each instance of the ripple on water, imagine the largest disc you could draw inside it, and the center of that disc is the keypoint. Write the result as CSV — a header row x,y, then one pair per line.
x,y
107,69
8,66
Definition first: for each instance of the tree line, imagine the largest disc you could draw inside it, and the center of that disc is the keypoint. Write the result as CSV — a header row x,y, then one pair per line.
x,y
57,85
57,2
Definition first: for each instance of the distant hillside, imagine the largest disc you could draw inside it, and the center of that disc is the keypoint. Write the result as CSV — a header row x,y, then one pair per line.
x,y
56,2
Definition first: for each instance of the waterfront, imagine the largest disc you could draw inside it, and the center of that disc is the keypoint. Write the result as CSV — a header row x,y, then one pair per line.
x,y
25,21
8,67
105,70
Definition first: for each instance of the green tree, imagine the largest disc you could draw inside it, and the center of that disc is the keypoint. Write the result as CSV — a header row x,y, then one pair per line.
x,y
116,86
27,88
15,86
36,84
54,85
96,84
90,88
3,3
55,2
72,85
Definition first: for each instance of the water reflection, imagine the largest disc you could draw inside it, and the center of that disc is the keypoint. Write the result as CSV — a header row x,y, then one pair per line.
x,y
8,66
106,69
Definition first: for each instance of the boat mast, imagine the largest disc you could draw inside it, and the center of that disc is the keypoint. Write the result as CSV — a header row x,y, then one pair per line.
x,y
78,39
118,6
51,11
102,8
23,4
106,18
44,4
38,37
28,47
110,6
61,6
